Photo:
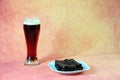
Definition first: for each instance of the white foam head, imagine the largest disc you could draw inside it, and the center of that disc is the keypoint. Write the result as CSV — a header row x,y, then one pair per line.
x,y
31,21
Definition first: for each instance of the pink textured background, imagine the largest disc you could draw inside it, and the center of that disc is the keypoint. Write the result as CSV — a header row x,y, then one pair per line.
x,y
86,30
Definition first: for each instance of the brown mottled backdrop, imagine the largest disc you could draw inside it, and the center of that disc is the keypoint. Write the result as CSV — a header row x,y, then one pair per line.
x,y
71,27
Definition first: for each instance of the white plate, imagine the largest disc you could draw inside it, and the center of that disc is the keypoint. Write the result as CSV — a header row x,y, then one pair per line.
x,y
85,68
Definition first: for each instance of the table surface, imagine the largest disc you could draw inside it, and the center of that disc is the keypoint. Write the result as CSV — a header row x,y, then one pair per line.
x,y
103,67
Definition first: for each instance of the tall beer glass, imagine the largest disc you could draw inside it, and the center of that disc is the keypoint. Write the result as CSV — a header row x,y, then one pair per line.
x,y
31,28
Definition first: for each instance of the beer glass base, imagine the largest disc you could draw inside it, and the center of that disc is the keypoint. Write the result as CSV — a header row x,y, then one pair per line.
x,y
29,62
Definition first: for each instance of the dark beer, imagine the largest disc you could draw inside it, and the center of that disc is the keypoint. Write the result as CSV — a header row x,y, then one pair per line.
x,y
31,31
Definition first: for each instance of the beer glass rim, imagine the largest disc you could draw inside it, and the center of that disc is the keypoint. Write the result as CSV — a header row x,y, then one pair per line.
x,y
31,21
